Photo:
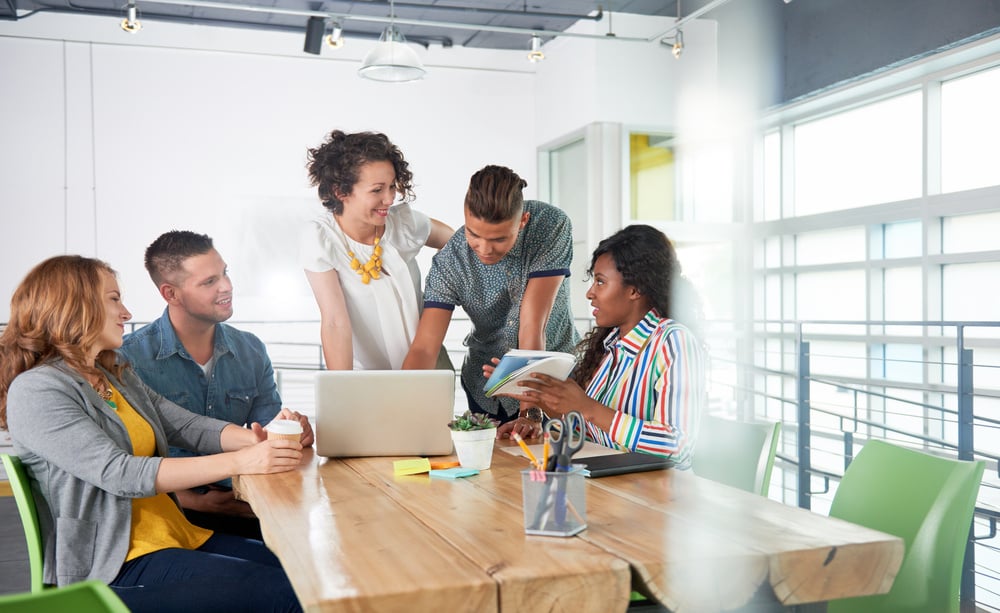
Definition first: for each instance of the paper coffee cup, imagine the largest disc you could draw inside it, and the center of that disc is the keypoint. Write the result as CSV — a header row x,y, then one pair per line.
x,y
287,429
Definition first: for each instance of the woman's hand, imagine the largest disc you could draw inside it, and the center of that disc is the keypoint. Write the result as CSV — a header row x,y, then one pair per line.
x,y
268,456
555,396
248,452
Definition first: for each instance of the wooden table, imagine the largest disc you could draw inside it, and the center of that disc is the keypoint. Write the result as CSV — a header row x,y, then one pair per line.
x,y
353,537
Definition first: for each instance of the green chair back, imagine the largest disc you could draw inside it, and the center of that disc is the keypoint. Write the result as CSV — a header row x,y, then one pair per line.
x,y
21,486
737,453
83,597
927,501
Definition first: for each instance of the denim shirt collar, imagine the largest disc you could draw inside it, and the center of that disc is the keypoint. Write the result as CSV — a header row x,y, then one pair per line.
x,y
170,344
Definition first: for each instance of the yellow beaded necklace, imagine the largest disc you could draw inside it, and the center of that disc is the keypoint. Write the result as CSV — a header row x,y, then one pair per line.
x,y
373,267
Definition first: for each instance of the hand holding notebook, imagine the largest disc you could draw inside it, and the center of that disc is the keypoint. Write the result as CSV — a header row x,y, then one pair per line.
x,y
519,364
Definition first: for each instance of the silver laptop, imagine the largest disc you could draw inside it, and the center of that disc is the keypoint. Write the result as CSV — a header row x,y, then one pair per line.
x,y
384,412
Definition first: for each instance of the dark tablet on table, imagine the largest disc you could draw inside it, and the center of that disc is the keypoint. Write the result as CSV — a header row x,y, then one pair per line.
x,y
622,463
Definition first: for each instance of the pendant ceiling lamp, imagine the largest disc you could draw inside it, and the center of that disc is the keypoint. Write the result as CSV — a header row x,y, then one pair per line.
x,y
392,60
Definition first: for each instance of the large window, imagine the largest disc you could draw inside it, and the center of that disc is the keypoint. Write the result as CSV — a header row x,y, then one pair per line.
x,y
862,156
970,131
875,224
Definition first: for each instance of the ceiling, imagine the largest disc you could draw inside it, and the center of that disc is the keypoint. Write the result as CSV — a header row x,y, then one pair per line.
x,y
292,15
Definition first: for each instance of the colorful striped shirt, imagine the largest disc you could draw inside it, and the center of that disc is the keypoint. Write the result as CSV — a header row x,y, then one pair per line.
x,y
654,380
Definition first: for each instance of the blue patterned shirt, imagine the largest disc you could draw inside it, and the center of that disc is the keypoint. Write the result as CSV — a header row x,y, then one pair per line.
x,y
491,294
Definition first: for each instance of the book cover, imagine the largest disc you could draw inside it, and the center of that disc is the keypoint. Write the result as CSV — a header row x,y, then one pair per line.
x,y
519,364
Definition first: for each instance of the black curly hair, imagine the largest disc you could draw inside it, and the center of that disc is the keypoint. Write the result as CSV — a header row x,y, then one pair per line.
x,y
648,262
334,165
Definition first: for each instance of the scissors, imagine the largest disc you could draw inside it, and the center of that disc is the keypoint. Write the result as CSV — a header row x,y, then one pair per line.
x,y
566,436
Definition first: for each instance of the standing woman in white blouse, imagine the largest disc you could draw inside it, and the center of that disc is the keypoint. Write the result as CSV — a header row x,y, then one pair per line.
x,y
359,255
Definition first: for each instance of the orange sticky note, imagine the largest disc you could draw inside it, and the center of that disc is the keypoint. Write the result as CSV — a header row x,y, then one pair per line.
x,y
411,467
443,464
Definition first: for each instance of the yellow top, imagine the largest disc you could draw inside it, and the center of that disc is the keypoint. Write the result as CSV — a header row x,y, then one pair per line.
x,y
157,522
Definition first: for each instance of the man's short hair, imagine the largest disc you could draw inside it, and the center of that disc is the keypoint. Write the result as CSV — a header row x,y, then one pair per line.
x,y
165,256
495,194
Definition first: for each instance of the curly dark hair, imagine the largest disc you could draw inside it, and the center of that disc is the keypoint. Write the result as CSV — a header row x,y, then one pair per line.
x,y
647,261
334,165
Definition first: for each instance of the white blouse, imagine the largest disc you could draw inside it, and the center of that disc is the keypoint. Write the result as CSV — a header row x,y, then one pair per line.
x,y
385,312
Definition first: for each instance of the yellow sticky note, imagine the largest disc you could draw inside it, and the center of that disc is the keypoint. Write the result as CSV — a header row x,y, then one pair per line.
x,y
411,467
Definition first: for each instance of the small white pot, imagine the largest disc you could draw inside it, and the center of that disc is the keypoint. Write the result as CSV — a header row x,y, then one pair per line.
x,y
474,447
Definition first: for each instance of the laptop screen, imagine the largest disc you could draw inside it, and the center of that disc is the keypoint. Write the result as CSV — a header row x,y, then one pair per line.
x,y
384,412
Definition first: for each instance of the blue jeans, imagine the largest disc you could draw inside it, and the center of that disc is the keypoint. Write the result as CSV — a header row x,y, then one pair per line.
x,y
227,573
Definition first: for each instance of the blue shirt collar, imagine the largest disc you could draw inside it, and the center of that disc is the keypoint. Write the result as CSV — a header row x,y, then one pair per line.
x,y
171,345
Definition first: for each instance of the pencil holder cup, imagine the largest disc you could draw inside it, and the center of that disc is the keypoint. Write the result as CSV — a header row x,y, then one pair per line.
x,y
555,503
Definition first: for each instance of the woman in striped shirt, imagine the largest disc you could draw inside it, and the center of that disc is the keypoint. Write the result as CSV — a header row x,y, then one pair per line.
x,y
639,381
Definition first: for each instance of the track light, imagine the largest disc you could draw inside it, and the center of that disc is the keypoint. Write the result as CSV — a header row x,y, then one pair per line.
x,y
536,54
131,23
334,34
315,29
678,47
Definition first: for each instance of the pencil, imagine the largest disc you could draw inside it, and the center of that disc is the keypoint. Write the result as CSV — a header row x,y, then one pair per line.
x,y
545,452
527,452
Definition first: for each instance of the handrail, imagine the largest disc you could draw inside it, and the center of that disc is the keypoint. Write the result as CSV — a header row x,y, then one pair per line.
x,y
945,409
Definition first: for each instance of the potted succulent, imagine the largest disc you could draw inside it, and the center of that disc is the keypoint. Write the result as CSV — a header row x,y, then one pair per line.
x,y
473,435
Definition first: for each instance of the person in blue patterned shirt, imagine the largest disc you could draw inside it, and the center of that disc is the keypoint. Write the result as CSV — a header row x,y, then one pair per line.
x,y
640,382
508,268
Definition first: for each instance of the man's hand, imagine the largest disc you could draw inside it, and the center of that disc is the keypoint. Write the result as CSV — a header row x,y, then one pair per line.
x,y
308,438
215,500
524,427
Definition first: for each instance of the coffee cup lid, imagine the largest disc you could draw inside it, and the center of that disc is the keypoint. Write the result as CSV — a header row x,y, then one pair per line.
x,y
284,426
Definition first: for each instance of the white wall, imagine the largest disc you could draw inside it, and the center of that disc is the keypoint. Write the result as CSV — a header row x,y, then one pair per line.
x,y
108,139
633,83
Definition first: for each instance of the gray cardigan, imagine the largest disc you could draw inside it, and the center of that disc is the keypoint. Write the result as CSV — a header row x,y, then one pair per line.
x,y
76,449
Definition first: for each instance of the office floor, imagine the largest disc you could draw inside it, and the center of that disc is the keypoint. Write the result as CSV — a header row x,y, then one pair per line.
x,y
13,553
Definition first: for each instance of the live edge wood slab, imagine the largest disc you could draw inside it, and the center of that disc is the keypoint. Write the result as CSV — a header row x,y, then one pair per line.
x,y
354,537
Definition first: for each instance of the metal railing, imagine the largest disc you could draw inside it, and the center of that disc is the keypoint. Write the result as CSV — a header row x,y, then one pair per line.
x,y
835,385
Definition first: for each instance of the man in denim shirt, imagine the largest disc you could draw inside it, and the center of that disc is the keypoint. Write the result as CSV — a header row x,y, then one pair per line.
x,y
190,357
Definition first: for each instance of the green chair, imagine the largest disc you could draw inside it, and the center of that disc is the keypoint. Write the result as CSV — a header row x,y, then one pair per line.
x,y
737,453
83,597
927,501
21,486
